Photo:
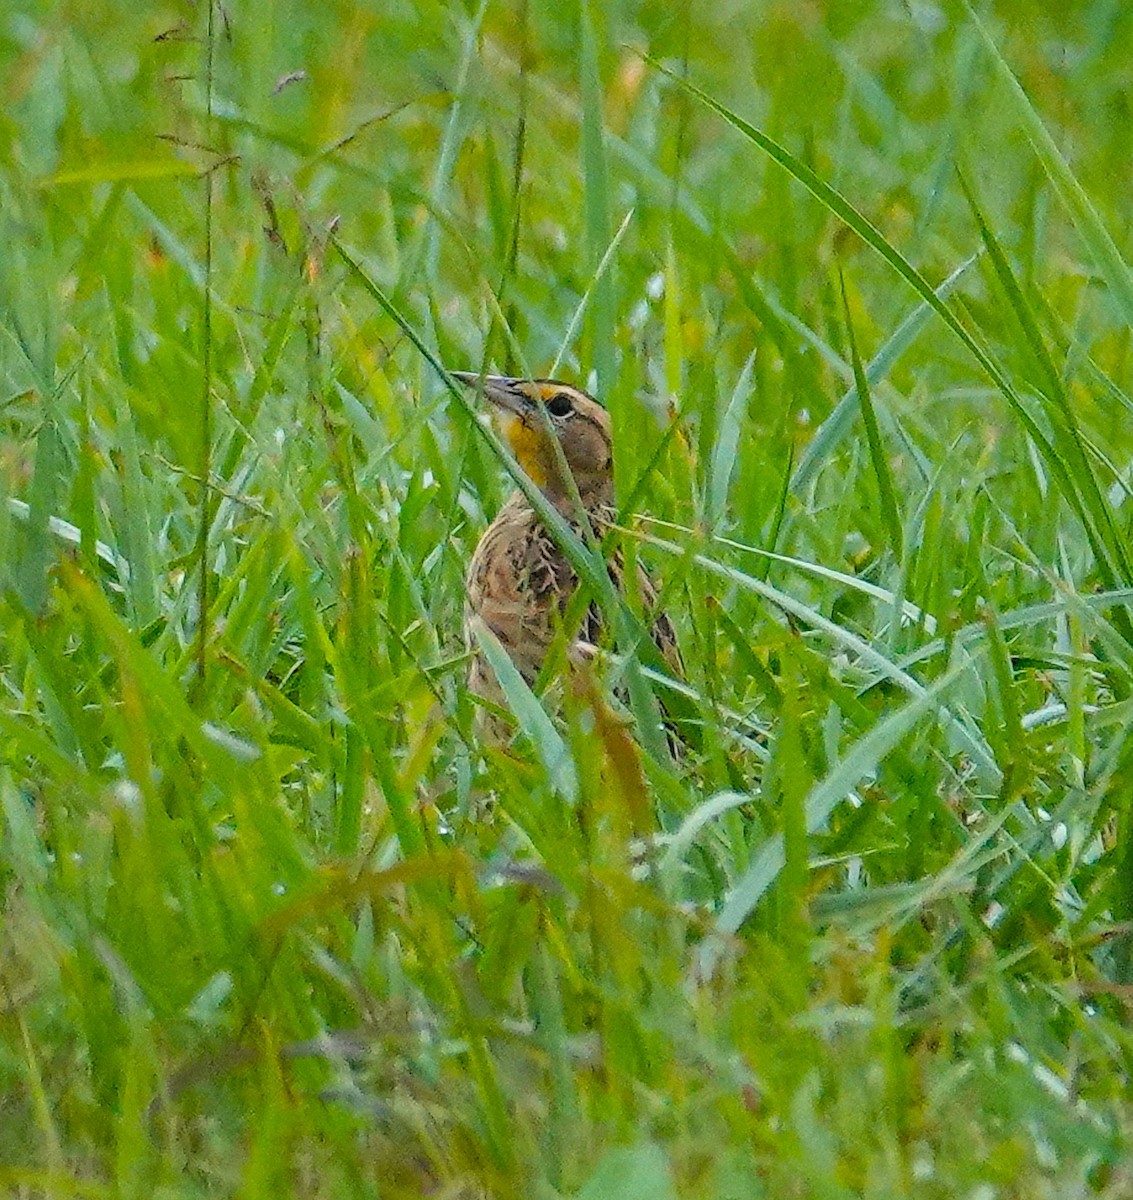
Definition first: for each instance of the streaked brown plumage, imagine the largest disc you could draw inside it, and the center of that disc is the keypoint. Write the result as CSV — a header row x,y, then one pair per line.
x,y
519,582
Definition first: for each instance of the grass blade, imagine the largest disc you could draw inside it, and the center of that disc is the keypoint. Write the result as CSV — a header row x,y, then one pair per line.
x,y
727,443
1091,228
596,203
890,517
549,746
841,418
861,759
976,745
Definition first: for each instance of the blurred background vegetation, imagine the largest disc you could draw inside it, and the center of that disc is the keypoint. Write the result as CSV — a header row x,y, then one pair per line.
x,y
271,922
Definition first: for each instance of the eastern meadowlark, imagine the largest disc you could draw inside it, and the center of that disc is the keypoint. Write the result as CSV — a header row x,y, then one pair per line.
x,y
520,583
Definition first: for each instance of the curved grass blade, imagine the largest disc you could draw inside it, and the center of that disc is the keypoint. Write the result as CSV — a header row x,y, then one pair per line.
x,y
909,610
841,417
1092,230
887,494
702,815
450,143
862,758
973,741
727,443
532,718
1088,606
73,536
1067,439
595,199
837,204
580,308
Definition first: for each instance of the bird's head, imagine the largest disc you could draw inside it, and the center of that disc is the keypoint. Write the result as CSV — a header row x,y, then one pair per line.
x,y
532,414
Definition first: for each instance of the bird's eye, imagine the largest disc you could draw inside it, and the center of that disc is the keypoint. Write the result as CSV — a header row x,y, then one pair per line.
x,y
560,405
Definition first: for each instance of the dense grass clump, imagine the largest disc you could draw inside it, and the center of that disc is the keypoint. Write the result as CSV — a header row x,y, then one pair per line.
x,y
853,283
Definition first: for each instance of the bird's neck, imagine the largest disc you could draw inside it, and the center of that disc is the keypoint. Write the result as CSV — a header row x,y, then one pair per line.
x,y
596,502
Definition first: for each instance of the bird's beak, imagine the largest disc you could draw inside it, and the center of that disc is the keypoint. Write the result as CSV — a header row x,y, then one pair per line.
x,y
501,390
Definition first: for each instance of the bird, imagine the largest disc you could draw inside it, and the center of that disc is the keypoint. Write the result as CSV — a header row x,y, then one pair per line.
x,y
520,583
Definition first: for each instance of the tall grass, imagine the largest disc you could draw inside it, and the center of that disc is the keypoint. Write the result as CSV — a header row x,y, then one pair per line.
x,y
854,286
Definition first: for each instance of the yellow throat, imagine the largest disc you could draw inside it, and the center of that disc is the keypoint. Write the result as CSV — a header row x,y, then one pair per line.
x,y
528,444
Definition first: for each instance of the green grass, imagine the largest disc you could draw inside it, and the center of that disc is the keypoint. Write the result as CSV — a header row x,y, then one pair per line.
x,y
853,281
